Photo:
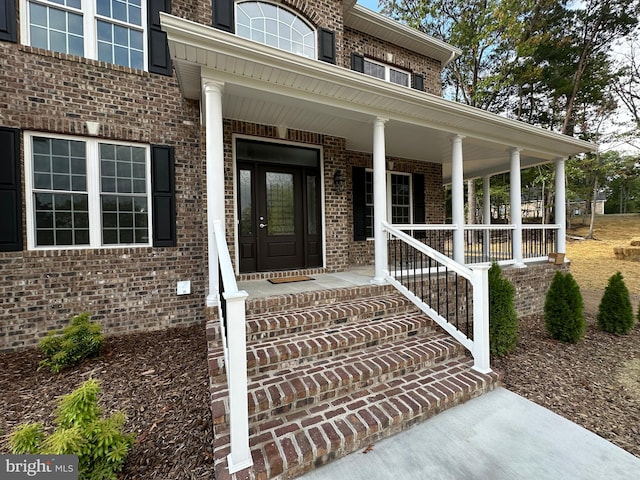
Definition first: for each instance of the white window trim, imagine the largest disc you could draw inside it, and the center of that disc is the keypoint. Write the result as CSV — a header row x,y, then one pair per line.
x,y
389,205
387,72
295,14
90,19
93,192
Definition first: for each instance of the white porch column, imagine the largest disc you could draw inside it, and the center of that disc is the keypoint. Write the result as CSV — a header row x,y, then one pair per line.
x,y
486,215
515,196
457,198
379,200
212,117
561,207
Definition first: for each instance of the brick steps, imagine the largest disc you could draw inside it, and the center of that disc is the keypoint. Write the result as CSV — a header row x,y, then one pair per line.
x,y
291,350
327,380
291,445
261,325
293,388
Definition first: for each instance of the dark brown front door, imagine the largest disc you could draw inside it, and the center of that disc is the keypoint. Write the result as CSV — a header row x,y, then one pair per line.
x,y
279,216
279,234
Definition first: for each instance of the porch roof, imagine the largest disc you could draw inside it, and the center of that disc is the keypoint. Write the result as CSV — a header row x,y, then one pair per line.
x,y
268,86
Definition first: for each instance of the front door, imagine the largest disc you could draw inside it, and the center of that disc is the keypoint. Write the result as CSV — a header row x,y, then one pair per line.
x,y
279,212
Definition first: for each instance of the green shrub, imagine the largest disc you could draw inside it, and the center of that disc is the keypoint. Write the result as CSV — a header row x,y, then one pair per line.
x,y
503,319
80,339
563,307
615,313
100,444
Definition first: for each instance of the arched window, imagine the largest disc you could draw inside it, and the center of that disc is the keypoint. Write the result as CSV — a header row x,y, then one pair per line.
x,y
275,26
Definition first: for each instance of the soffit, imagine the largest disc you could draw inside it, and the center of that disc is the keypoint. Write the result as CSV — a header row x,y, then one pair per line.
x,y
267,86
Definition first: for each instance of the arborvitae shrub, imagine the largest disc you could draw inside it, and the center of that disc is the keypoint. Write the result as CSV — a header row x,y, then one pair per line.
x,y
100,444
80,339
503,319
563,307
615,313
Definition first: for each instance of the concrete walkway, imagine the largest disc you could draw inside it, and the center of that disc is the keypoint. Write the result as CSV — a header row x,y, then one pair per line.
x,y
498,436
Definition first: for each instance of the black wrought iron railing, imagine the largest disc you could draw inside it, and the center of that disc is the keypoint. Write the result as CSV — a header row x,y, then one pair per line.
x,y
454,295
538,241
433,282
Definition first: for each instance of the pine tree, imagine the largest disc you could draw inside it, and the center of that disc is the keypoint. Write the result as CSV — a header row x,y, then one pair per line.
x,y
615,313
563,309
503,319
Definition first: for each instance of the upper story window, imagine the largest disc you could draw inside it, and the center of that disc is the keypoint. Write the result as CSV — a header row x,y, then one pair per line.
x,y
275,26
386,72
108,30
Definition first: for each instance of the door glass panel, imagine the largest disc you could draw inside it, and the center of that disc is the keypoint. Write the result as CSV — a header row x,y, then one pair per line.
x,y
246,221
312,206
280,203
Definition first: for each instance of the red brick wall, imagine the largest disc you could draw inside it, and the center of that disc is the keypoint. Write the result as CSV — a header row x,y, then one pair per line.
x,y
531,285
124,288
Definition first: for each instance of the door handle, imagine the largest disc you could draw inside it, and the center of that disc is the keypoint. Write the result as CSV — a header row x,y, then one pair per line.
x,y
262,225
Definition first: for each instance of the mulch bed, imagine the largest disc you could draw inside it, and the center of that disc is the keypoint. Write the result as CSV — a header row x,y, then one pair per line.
x,y
160,380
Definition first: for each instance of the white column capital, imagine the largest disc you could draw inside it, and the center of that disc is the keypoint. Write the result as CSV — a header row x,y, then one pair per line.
x,y
457,138
211,86
514,150
380,120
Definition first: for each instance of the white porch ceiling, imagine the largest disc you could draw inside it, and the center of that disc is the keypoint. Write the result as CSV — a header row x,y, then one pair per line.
x,y
267,86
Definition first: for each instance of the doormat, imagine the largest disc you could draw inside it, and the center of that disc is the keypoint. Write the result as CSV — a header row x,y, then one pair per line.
x,y
297,278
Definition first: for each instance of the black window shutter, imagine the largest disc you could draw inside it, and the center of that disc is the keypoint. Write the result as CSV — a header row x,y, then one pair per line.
x,y
159,57
8,28
357,62
10,191
327,43
224,15
359,203
419,210
164,196
418,82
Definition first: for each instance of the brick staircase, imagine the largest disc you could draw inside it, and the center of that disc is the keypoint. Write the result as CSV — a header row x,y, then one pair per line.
x,y
333,371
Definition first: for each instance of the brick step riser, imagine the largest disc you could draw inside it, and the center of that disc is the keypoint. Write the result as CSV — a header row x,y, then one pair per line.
x,y
321,434
260,413
308,323
283,354
308,353
316,298
263,327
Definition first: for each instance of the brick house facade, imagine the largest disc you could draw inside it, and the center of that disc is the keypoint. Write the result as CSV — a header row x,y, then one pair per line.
x,y
57,260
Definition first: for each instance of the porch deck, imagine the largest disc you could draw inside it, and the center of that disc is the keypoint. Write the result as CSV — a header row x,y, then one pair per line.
x,y
354,277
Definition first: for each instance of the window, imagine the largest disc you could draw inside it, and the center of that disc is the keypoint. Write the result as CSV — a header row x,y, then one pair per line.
x,y
108,30
399,197
385,72
86,192
275,26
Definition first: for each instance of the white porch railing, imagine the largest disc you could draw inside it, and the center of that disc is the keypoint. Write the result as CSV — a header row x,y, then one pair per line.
x,y
232,324
441,288
488,243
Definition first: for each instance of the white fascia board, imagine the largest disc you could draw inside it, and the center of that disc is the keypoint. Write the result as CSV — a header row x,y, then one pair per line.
x,y
193,43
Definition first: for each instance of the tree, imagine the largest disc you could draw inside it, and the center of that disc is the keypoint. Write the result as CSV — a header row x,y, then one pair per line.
x,y
503,319
481,27
615,313
563,308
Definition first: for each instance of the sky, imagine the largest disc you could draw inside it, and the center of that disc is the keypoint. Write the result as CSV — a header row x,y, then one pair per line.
x,y
370,4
